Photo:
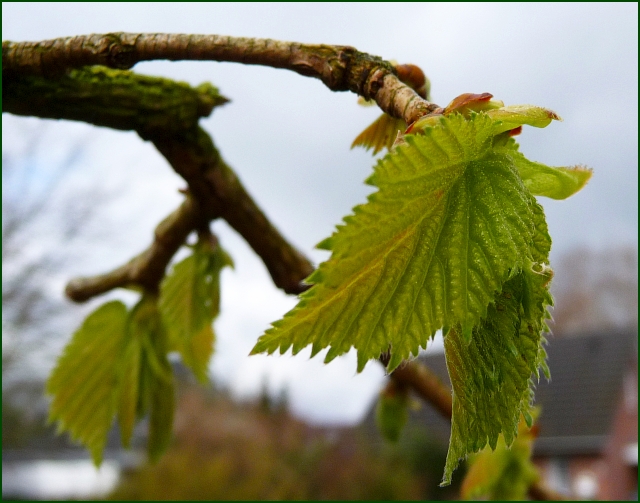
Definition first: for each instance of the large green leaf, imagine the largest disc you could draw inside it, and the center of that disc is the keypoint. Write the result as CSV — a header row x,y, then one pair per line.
x,y
451,222
190,301
85,381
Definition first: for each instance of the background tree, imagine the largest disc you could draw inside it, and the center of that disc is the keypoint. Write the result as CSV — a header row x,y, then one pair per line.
x,y
45,219
598,289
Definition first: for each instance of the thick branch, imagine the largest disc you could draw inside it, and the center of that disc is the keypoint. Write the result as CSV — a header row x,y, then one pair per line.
x,y
216,186
166,113
340,68
112,98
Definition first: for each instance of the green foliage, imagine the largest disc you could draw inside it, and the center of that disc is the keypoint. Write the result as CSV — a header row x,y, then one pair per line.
x,y
155,390
84,383
491,374
116,363
190,301
452,240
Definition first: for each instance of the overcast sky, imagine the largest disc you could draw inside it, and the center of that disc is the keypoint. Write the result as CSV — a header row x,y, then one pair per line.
x,y
288,139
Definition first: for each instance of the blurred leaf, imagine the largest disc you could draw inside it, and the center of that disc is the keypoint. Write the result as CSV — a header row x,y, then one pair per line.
x,y
380,134
129,390
155,374
503,474
392,411
197,352
84,383
190,301
161,418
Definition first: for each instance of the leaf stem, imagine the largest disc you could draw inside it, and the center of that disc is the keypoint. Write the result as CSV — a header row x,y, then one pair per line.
x,y
147,269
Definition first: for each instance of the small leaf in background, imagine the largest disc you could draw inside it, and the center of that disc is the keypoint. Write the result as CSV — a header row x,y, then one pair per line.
x,y
197,352
129,390
161,417
190,301
392,410
84,383
156,382
506,473
380,134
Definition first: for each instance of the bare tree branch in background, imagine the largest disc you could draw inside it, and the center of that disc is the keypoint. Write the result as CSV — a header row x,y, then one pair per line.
x,y
38,220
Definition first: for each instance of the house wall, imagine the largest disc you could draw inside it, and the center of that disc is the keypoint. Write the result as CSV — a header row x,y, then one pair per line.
x,y
574,476
622,478
606,475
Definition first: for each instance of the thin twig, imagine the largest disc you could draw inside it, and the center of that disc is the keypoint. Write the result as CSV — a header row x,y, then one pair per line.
x,y
425,383
147,269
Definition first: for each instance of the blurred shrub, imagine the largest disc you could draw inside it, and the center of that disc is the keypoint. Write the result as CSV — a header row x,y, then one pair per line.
x,y
229,451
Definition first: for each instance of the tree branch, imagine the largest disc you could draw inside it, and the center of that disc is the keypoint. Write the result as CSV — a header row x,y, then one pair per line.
x,y
340,68
425,383
147,269
166,113
218,189
50,79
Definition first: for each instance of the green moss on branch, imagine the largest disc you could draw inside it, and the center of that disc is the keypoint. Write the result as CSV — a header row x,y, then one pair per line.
x,y
117,99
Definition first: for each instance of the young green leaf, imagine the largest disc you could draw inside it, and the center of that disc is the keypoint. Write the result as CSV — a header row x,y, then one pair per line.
x,y
84,383
190,301
380,134
156,388
555,183
451,222
129,389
